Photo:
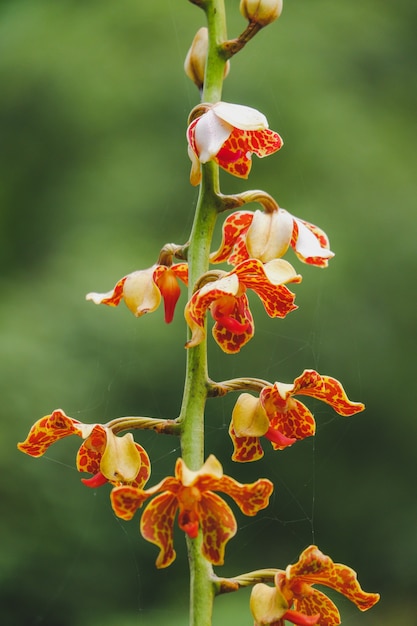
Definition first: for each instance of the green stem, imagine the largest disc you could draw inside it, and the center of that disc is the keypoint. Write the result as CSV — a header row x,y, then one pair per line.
x,y
236,384
195,395
161,426
235,45
226,585
216,24
196,380
202,587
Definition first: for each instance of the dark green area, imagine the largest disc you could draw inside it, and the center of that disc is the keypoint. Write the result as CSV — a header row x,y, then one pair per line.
x,y
93,181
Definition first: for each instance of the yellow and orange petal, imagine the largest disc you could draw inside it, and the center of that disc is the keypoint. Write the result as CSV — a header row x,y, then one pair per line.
x,y
156,526
249,422
116,459
126,500
211,469
316,602
50,429
246,448
218,525
91,450
267,281
313,567
326,389
291,418
250,498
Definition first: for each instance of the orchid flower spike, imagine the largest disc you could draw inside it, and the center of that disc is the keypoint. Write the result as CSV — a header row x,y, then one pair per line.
x,y
228,134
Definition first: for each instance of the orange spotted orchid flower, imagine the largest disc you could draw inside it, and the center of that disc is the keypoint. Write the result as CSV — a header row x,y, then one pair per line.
x,y
228,134
268,235
191,493
271,606
228,303
108,457
142,290
280,417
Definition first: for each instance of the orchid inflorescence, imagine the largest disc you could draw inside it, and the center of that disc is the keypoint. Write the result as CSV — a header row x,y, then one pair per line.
x,y
220,135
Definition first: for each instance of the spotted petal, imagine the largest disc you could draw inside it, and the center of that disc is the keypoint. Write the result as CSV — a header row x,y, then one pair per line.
x,y
267,282
156,526
327,389
218,525
233,239
314,567
144,469
245,449
250,498
49,429
197,306
318,603
90,452
232,335
290,417
235,154
126,500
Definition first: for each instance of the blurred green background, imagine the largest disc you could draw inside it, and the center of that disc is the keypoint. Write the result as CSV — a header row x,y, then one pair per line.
x,y
93,182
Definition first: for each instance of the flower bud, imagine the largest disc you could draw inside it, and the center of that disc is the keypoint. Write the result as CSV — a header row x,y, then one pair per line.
x,y
195,61
262,12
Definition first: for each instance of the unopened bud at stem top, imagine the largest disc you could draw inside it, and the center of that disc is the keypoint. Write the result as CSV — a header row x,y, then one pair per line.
x,y
262,12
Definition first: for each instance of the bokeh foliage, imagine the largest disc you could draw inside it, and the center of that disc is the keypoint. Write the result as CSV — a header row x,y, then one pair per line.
x,y
93,181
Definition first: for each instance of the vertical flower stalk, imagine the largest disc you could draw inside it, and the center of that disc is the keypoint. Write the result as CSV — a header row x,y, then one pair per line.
x,y
195,390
